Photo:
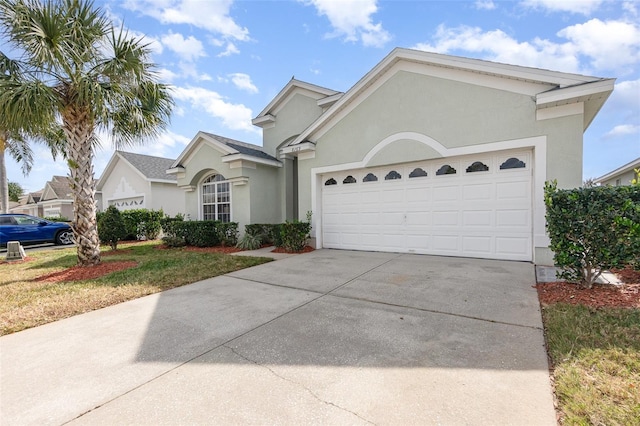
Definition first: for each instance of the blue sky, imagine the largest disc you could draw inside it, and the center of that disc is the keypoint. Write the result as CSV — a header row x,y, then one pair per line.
x,y
226,60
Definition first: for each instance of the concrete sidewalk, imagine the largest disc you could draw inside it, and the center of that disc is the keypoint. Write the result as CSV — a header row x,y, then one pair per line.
x,y
328,337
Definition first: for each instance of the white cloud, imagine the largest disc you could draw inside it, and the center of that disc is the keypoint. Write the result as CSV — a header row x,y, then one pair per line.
x,y
243,82
594,45
623,130
189,48
485,4
585,7
609,45
498,46
352,19
230,50
166,75
233,116
212,16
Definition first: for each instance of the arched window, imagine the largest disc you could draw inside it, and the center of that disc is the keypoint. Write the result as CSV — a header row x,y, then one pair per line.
x,y
392,175
370,177
349,179
446,170
512,163
331,181
417,172
477,166
216,199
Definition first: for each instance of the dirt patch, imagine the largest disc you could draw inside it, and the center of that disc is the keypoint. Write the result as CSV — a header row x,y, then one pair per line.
x,y
13,262
306,249
77,273
599,296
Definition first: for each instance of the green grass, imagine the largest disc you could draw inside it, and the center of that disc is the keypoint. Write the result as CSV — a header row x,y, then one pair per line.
x,y
596,359
27,302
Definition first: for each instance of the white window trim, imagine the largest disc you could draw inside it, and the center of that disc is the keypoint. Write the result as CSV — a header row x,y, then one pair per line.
x,y
201,204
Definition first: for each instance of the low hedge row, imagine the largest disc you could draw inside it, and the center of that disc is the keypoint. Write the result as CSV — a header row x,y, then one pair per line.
x,y
199,233
292,236
140,224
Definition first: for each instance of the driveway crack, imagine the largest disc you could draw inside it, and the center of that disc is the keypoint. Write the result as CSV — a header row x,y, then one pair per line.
x,y
312,393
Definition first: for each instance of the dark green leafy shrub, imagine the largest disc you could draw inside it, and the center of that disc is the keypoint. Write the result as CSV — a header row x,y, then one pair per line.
x,y
227,233
174,241
294,235
276,234
262,230
142,224
111,227
592,229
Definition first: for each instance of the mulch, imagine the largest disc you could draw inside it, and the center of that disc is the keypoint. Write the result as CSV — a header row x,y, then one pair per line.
x,y
626,295
78,273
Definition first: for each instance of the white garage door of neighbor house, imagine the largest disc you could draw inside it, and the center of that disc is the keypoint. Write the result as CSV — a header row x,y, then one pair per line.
x,y
471,206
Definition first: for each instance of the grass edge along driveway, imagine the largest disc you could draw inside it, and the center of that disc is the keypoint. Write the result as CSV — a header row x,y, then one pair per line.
x,y
42,289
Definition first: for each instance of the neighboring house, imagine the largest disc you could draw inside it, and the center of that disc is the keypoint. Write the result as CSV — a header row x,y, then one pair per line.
x,y
427,153
136,181
29,204
57,198
620,176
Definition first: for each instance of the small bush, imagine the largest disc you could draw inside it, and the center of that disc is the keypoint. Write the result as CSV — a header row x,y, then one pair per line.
x,y
174,241
142,224
227,233
294,235
111,228
592,229
250,242
262,230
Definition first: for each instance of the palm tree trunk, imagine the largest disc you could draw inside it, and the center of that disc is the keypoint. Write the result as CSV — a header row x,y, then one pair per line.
x,y
4,183
78,128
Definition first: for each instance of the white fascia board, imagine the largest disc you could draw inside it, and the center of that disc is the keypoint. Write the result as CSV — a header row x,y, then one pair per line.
x,y
299,148
162,181
243,157
329,100
575,93
634,164
176,170
291,85
264,120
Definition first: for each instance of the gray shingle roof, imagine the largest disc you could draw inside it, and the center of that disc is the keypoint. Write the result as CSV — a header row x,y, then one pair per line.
x,y
151,167
243,147
60,186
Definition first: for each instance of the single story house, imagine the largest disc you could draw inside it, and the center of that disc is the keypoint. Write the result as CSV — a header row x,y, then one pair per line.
x,y
427,153
57,198
623,175
28,204
137,181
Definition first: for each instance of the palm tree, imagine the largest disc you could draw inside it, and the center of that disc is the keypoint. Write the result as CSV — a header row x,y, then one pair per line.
x,y
77,69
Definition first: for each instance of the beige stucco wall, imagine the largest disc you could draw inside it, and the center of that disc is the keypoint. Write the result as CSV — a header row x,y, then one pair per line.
x,y
291,119
454,114
166,197
254,202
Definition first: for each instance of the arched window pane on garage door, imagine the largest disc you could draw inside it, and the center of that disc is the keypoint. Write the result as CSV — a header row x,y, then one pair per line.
x,y
216,199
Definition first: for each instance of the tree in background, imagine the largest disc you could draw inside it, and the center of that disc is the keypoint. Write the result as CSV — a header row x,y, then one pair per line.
x,y
15,191
78,70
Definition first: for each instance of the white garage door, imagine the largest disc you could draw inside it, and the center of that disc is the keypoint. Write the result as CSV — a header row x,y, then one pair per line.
x,y
471,206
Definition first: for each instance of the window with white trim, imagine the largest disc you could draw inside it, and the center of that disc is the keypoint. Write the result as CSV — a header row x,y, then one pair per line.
x,y
216,199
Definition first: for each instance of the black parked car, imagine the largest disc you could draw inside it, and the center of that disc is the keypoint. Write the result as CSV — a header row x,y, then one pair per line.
x,y
30,230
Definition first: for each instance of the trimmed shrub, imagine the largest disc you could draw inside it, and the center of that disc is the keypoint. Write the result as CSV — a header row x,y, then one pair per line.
x,y
592,229
227,233
142,224
264,231
111,227
294,235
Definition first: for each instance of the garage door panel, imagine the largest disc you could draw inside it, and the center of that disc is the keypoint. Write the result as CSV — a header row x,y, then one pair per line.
x,y
477,214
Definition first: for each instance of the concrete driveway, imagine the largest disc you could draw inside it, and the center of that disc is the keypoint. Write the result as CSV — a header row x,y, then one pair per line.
x,y
329,337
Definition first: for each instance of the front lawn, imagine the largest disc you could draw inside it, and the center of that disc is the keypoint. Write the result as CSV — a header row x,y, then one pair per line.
x,y
43,288
595,357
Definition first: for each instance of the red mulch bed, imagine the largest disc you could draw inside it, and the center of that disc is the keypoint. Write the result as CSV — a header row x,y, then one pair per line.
x,y
77,273
599,296
306,249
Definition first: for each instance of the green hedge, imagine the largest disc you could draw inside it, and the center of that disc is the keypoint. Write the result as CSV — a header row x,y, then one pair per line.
x,y
200,233
142,223
593,229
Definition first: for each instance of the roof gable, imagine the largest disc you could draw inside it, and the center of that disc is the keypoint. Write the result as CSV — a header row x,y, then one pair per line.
x,y
548,88
148,167
325,97
630,166
58,188
226,146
